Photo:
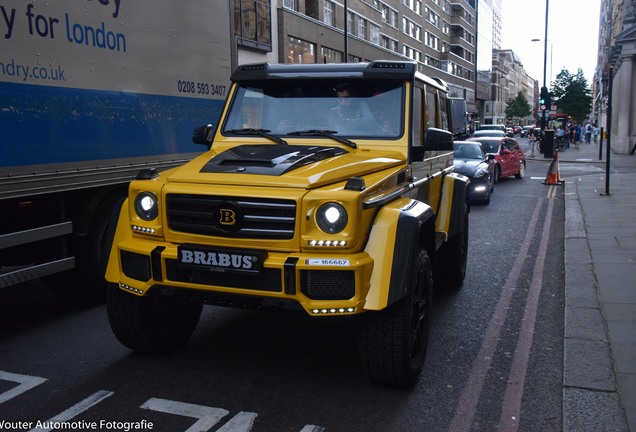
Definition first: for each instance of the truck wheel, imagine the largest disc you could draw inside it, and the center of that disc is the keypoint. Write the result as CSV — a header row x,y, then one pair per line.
x,y
393,341
153,325
453,257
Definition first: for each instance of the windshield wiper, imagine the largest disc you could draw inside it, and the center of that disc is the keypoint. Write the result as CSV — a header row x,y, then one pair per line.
x,y
261,132
327,133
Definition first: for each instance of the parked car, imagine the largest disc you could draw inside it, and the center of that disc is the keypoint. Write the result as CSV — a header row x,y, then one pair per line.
x,y
491,127
509,158
472,161
489,133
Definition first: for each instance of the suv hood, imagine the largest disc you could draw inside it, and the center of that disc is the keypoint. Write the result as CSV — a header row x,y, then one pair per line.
x,y
284,165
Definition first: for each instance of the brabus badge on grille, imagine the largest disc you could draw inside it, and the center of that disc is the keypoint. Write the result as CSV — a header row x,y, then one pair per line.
x,y
229,216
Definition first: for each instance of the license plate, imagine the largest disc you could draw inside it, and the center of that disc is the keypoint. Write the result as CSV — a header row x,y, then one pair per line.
x,y
224,260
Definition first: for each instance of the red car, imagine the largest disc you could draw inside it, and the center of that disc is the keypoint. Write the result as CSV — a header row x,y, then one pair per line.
x,y
509,158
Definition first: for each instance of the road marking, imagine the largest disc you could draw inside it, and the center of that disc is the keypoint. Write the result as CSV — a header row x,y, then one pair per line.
x,y
26,383
511,410
208,416
467,405
76,409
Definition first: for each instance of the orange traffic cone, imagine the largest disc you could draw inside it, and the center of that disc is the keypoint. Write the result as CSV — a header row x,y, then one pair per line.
x,y
553,177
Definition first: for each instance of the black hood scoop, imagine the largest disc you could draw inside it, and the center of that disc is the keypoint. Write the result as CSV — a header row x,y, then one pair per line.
x,y
267,159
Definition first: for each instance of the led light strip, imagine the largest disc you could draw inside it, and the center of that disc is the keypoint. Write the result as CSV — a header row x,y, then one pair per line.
x,y
129,288
332,311
143,229
327,243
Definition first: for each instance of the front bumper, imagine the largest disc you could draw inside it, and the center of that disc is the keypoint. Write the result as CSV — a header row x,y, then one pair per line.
x,y
319,283
479,189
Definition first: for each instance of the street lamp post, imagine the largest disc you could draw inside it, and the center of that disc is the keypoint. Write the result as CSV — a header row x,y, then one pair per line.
x,y
545,60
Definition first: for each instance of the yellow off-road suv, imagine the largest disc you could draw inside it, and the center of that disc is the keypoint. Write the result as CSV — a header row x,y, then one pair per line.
x,y
326,188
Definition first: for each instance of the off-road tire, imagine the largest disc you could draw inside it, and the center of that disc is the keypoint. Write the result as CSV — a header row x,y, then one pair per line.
x,y
452,258
151,325
393,341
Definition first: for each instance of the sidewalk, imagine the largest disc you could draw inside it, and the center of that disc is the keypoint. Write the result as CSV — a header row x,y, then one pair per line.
x,y
599,377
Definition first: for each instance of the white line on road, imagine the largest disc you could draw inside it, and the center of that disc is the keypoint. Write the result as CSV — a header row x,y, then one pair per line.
x,y
207,417
26,382
73,411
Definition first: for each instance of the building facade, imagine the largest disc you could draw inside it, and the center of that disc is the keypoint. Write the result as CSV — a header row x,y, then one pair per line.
x,y
508,79
616,71
439,34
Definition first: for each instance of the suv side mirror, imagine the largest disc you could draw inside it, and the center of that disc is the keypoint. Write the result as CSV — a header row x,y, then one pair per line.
x,y
438,139
203,135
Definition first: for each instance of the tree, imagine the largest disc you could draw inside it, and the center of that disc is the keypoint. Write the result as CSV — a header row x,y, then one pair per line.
x,y
571,94
518,107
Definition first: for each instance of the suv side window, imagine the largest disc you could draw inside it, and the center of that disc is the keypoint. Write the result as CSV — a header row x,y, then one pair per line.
x,y
431,110
417,117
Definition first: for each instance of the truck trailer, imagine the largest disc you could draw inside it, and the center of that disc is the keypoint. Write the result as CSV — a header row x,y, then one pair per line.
x,y
91,93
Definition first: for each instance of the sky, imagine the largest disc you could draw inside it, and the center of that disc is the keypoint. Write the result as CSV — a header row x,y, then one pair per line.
x,y
572,35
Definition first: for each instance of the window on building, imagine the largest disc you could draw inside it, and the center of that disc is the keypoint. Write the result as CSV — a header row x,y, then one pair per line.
x,y
411,29
431,17
330,13
412,53
446,27
414,5
252,23
374,34
432,62
300,51
328,55
362,28
349,22
388,43
431,40
291,4
389,16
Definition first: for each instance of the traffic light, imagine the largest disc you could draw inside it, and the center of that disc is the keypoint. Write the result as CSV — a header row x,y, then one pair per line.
x,y
544,98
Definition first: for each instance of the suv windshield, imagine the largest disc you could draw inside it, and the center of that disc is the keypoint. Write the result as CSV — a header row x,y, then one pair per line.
x,y
353,107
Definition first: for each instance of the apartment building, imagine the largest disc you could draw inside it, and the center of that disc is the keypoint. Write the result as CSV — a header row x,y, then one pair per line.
x,y
439,34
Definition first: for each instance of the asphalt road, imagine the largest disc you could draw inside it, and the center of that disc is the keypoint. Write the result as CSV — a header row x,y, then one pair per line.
x,y
494,359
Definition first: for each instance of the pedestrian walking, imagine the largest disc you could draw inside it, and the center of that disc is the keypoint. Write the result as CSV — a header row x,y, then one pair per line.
x,y
588,133
532,140
595,133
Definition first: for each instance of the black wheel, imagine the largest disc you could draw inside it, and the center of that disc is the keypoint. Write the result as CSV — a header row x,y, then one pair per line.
x,y
487,199
86,281
153,325
393,341
522,171
453,258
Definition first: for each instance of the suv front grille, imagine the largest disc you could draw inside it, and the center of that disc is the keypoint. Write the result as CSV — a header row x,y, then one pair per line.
x,y
231,216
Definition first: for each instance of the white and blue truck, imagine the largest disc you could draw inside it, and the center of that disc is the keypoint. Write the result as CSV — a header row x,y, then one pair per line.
x,y
91,92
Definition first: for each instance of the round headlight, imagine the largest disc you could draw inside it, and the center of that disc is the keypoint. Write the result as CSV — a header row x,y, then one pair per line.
x,y
332,218
146,206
